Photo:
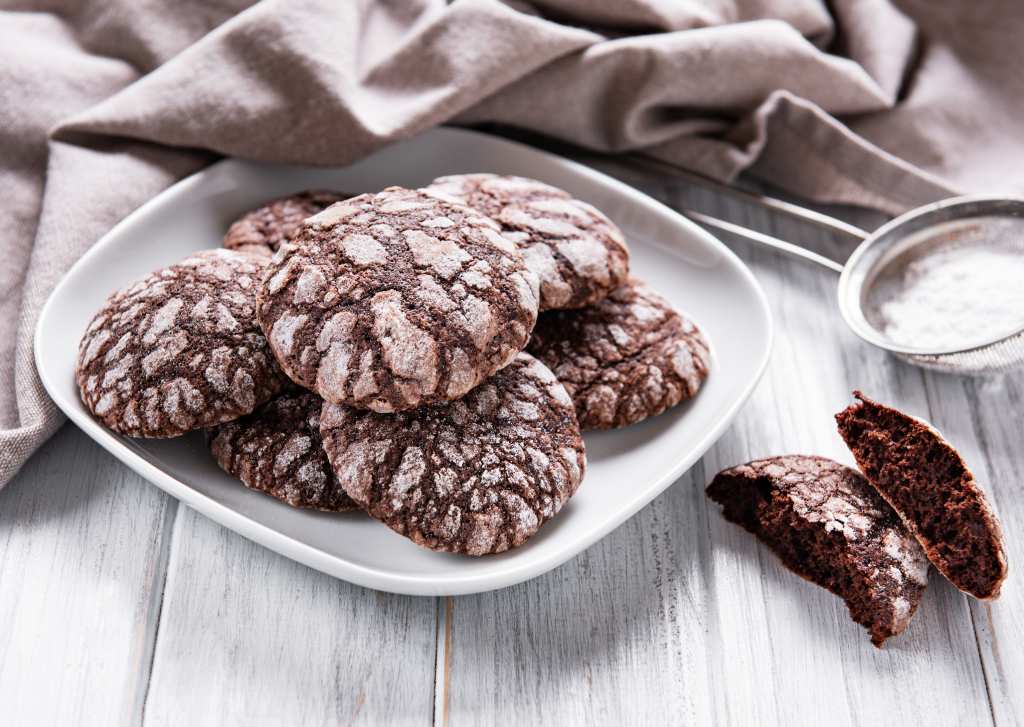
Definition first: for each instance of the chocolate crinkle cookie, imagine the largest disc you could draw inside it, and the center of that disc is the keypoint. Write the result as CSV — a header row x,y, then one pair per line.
x,y
829,526
179,350
927,482
266,228
577,252
277,450
475,476
395,300
627,358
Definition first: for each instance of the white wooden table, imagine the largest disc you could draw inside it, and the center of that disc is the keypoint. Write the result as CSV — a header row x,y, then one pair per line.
x,y
120,606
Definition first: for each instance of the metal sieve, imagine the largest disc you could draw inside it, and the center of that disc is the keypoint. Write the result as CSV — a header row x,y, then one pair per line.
x,y
883,258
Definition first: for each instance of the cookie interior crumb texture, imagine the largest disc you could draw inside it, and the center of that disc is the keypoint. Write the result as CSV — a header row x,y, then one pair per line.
x,y
629,357
475,476
578,253
179,349
929,485
395,300
277,450
267,227
828,525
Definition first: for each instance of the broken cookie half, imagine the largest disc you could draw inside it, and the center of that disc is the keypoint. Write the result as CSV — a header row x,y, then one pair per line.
x,y
928,484
828,525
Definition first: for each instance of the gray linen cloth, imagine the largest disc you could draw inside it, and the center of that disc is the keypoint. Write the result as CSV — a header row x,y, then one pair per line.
x,y
104,103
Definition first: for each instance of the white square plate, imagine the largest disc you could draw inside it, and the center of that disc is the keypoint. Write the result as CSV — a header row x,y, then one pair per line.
x,y
627,468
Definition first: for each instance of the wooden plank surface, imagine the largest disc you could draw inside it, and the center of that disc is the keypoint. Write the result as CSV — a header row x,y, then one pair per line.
x,y
249,637
985,417
117,606
83,542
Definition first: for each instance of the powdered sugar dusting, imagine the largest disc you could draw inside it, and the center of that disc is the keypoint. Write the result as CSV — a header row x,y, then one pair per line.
x,y
178,350
626,358
829,525
283,333
428,289
577,253
910,558
407,351
265,229
277,450
444,256
364,249
410,471
162,320
476,476
965,291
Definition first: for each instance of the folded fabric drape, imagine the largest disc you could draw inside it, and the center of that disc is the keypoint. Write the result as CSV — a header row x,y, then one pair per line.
x,y
104,103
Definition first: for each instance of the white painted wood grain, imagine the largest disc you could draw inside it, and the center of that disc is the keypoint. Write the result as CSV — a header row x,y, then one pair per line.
x,y
984,418
248,637
81,565
619,635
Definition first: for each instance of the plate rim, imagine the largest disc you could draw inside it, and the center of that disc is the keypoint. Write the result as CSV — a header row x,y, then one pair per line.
x,y
369,577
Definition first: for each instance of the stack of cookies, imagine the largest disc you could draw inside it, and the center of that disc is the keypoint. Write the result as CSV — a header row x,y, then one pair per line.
x,y
427,356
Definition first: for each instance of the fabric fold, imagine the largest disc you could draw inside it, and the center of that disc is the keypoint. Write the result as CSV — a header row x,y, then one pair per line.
x,y
104,103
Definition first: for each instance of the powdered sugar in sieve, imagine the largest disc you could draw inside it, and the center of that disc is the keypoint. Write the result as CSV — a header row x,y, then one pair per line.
x,y
956,284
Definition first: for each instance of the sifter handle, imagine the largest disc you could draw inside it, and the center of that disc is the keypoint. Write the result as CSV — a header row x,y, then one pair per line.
x,y
762,200
759,237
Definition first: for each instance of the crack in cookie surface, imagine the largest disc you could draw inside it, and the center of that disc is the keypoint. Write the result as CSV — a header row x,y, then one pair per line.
x,y
626,358
277,450
398,299
578,254
475,476
179,349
